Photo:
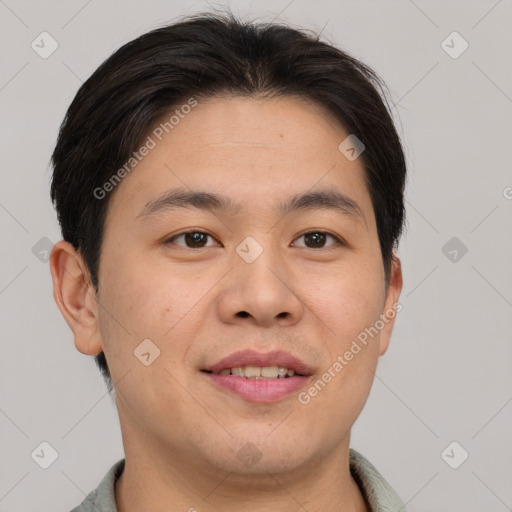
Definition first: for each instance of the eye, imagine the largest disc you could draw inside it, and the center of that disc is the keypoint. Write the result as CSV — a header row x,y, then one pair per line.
x,y
198,239
317,238
193,239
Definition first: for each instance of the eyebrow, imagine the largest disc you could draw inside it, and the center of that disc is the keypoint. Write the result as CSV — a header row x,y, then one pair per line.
x,y
207,201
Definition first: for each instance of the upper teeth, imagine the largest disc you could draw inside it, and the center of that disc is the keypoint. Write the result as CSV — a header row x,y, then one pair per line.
x,y
256,372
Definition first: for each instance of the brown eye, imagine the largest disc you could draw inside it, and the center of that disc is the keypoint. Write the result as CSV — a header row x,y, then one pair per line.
x,y
316,239
193,239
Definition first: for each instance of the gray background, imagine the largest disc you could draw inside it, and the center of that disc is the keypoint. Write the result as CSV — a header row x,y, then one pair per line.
x,y
446,376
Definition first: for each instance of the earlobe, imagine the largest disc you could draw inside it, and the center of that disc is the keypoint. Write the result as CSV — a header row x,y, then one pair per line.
x,y
75,296
391,305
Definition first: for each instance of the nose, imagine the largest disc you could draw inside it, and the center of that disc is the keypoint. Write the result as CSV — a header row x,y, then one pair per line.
x,y
262,293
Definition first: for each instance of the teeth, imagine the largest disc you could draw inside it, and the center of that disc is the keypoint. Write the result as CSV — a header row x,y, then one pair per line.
x,y
282,372
252,372
270,372
256,372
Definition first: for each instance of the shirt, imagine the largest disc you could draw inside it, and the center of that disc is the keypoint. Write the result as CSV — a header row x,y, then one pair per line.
x,y
378,493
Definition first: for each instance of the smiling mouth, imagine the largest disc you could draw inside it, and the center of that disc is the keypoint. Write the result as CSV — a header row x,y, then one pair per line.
x,y
259,384
258,372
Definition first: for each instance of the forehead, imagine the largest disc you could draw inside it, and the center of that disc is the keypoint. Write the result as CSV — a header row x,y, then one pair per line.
x,y
249,150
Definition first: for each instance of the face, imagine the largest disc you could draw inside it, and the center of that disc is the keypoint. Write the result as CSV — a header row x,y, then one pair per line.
x,y
307,281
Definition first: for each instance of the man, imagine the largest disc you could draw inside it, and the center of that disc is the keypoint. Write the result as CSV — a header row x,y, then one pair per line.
x,y
230,197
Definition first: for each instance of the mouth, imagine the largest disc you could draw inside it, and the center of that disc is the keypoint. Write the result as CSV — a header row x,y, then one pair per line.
x,y
256,365
258,373
257,377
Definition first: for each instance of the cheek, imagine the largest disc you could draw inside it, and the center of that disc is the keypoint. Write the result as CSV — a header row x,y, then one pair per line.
x,y
348,308
352,306
160,303
141,304
349,303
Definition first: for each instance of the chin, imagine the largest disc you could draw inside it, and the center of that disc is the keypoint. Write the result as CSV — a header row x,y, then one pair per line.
x,y
250,457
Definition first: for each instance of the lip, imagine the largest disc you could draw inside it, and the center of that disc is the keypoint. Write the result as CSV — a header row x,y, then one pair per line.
x,y
254,358
255,390
260,390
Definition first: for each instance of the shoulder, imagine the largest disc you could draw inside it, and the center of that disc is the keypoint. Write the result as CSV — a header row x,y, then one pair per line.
x,y
379,494
102,499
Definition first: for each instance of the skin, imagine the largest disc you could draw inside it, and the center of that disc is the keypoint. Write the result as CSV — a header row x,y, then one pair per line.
x,y
181,434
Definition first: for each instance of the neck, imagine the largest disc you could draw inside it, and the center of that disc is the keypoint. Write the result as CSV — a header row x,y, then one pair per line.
x,y
154,479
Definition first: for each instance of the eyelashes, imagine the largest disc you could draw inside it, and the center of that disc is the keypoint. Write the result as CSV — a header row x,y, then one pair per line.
x,y
197,241
172,239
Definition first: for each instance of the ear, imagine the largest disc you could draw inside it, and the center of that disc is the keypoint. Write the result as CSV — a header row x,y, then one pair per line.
x,y
391,305
75,296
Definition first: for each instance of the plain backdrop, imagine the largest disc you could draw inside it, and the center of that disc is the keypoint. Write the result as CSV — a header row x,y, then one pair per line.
x,y
447,374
